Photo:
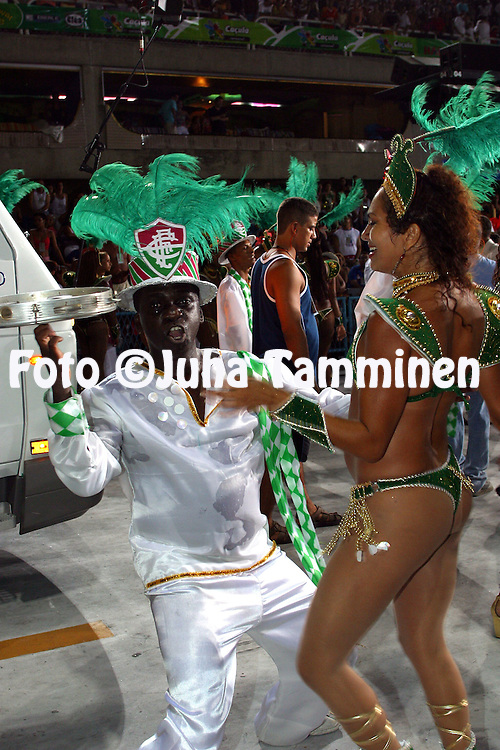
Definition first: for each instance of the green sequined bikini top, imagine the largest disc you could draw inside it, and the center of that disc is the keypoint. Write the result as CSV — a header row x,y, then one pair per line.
x,y
412,324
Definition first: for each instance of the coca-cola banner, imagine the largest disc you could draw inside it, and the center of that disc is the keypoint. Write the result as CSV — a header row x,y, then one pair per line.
x,y
267,32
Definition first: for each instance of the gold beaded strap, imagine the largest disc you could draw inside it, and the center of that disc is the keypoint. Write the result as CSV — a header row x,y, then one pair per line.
x,y
439,712
208,573
369,719
357,520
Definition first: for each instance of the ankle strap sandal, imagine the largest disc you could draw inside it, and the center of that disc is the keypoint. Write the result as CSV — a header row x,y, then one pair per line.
x,y
369,719
439,712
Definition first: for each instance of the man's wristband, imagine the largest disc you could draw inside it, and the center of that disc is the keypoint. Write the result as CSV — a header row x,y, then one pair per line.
x,y
66,418
339,322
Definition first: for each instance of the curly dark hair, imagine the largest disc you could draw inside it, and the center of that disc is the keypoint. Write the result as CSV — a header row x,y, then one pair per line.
x,y
443,209
318,281
88,267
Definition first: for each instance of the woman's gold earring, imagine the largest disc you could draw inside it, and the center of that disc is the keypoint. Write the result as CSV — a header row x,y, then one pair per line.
x,y
399,261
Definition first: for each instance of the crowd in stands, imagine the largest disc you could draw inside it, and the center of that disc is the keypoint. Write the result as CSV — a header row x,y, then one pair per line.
x,y
469,21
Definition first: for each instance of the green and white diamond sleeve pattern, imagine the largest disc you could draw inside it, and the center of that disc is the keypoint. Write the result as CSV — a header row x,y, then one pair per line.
x,y
67,418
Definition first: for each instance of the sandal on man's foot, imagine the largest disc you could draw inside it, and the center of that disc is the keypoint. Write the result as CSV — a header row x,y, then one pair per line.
x,y
278,533
321,518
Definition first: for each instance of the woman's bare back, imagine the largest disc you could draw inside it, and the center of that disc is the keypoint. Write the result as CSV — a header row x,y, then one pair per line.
x,y
419,440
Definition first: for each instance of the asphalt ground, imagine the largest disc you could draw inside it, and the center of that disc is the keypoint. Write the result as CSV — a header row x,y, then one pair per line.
x,y
107,693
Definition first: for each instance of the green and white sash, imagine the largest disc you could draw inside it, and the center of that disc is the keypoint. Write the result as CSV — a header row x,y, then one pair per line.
x,y
281,457
245,288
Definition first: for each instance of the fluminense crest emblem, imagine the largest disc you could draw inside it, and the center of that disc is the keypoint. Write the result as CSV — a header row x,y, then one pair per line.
x,y
161,246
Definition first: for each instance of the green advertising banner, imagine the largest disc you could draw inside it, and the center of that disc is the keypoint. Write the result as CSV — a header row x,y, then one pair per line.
x,y
72,20
113,23
392,44
187,31
11,16
234,30
312,37
429,47
108,22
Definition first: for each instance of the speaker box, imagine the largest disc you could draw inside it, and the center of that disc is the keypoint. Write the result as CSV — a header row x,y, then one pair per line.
x,y
468,61
169,10
406,71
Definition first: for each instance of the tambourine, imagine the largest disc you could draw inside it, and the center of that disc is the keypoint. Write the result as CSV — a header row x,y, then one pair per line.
x,y
52,305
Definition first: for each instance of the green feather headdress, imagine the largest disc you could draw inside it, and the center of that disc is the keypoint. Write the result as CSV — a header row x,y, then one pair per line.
x,y
14,186
123,201
469,137
348,203
465,134
303,183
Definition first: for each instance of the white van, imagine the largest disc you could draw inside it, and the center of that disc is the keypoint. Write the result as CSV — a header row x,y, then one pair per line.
x,y
31,495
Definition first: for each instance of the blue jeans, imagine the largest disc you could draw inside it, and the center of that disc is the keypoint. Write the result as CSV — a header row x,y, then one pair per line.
x,y
475,461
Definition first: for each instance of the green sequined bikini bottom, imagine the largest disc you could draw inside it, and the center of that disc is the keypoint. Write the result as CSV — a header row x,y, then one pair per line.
x,y
357,519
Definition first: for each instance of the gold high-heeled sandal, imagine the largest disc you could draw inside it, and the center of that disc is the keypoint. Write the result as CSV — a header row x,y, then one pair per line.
x,y
496,617
369,719
439,712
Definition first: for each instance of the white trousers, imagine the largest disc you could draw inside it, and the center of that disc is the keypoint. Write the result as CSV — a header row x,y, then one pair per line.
x,y
199,623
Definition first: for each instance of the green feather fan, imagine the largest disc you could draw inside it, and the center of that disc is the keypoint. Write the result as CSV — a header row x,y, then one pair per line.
x,y
123,201
14,187
482,184
465,132
303,183
302,180
270,200
346,204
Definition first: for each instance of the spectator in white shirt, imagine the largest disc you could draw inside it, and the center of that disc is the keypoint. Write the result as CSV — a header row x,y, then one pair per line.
x,y
234,301
459,26
265,7
487,247
404,22
348,240
482,30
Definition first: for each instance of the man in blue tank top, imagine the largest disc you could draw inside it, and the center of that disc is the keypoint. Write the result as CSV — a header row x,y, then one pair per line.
x,y
283,318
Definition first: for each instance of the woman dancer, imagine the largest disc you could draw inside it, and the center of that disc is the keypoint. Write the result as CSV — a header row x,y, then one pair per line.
x,y
44,240
323,283
399,537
